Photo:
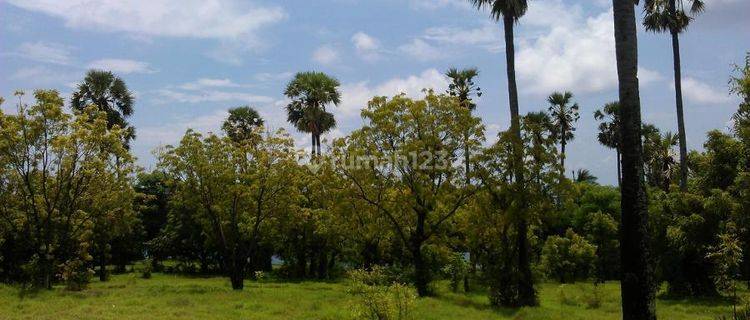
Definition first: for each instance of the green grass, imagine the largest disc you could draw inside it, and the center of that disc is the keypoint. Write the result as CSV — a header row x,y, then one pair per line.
x,y
178,297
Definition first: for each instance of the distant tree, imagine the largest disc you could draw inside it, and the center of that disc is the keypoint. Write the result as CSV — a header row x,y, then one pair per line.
x,y
584,175
310,92
462,86
240,124
510,11
564,116
672,16
110,94
568,258
609,131
660,158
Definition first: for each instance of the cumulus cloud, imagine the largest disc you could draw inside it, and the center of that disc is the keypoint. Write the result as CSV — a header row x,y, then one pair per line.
x,y
210,19
121,66
367,47
325,55
488,36
52,53
204,83
572,51
354,96
422,51
696,91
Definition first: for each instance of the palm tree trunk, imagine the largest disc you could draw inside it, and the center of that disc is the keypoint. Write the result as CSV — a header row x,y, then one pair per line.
x,y
637,285
619,171
678,99
313,145
562,157
526,293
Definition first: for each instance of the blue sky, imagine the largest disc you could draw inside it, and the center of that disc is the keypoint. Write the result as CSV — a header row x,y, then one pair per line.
x,y
188,61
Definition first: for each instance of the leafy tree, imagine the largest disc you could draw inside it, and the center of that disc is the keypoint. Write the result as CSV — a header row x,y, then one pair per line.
x,y
234,190
110,94
61,176
609,131
241,123
601,231
401,164
637,284
510,11
568,258
310,92
673,17
564,116
462,86
660,158
152,204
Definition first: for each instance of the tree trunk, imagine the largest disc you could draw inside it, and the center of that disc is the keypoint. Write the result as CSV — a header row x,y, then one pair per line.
x,y
103,266
421,277
637,285
562,157
526,292
678,99
237,272
313,145
619,171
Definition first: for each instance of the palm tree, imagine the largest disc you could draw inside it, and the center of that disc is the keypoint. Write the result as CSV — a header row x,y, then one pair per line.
x,y
671,16
462,87
110,94
659,156
510,11
584,176
637,278
609,131
564,115
310,92
241,122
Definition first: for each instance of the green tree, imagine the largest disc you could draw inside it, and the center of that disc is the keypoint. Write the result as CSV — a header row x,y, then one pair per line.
x,y
310,92
609,131
568,258
564,116
585,176
462,86
234,190
110,94
660,158
241,122
672,16
637,284
510,11
401,164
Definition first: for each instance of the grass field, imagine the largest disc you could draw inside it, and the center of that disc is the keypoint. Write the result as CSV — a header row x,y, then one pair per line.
x,y
178,297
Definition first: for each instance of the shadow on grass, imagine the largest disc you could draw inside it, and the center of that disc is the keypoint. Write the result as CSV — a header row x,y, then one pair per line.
x,y
471,300
671,300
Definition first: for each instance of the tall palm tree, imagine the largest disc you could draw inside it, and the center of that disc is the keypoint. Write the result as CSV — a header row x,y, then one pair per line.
x,y
609,131
510,11
637,279
673,17
584,176
110,94
564,116
310,92
241,122
462,86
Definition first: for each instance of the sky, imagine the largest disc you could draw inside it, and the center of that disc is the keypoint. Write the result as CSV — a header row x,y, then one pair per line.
x,y
189,61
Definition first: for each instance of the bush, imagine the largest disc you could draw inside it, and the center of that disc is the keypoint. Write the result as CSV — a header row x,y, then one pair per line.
x,y
379,299
568,258
148,266
456,270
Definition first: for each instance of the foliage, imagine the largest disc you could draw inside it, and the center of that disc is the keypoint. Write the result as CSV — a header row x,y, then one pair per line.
x,y
379,299
109,94
241,123
310,92
568,258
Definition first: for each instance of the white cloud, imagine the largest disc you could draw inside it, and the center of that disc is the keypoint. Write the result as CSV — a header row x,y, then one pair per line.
x,y
438,4
204,83
489,36
355,96
271,77
45,52
212,95
421,50
171,131
699,92
325,55
367,47
210,19
572,52
121,66
44,76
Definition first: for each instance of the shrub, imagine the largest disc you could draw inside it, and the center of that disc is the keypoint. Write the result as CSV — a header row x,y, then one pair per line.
x,y
148,266
379,299
456,270
568,258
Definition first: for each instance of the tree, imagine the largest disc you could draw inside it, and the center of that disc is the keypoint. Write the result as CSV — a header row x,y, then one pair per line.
x,y
240,124
671,16
585,176
310,92
609,131
637,284
401,164
660,159
462,86
110,94
510,11
564,116
568,258
63,175
233,190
